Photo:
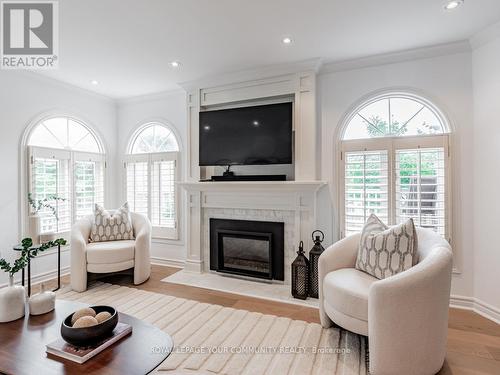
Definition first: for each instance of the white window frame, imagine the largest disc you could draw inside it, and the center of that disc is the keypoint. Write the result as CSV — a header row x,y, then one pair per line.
x,y
391,145
26,164
72,157
158,232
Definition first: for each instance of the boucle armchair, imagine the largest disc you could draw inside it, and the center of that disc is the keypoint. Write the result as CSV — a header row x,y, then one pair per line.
x,y
110,256
405,316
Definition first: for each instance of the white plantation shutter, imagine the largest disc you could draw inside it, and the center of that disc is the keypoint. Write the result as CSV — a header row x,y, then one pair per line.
x,y
49,176
138,186
88,180
420,187
150,184
396,179
366,184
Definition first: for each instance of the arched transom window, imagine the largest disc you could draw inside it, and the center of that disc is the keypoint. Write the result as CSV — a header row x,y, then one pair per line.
x,y
66,161
151,172
394,154
154,138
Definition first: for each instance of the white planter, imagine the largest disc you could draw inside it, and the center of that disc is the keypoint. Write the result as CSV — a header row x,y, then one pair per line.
x,y
12,302
42,302
34,228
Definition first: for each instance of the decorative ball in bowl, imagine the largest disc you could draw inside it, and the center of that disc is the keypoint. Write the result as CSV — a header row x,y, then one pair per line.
x,y
89,325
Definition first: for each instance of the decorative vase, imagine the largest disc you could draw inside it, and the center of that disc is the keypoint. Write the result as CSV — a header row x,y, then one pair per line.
x,y
43,302
34,228
47,237
12,302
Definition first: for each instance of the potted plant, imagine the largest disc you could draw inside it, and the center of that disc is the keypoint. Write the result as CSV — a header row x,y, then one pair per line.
x,y
13,297
34,217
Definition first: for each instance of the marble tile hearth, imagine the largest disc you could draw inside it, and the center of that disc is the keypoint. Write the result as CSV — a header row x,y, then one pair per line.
x,y
250,288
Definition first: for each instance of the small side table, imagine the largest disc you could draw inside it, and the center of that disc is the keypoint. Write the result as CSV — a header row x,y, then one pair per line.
x,y
36,247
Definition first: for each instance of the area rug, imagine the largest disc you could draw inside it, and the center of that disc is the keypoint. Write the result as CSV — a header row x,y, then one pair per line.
x,y
213,339
263,290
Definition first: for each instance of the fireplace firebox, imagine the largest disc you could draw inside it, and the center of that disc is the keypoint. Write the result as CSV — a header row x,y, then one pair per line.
x,y
247,248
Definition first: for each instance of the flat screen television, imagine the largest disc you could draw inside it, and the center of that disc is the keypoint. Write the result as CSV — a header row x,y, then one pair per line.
x,y
255,135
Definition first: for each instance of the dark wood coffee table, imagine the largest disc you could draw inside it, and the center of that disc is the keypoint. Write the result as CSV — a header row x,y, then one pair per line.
x,y
22,347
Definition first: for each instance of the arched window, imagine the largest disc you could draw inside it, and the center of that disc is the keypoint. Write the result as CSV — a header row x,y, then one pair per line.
x,y
66,160
395,163
151,173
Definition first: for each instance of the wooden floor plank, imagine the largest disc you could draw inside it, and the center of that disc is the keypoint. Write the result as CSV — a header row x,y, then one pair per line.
x,y
473,341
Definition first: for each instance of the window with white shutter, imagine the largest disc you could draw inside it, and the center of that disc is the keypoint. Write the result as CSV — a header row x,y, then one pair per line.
x,y
366,188
64,161
88,177
138,186
420,187
151,174
395,161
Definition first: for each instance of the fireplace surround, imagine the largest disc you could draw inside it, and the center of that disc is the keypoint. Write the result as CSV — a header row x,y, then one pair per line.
x,y
247,248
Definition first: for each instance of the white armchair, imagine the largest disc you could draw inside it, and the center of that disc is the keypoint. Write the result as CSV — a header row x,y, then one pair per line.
x,y
110,256
405,316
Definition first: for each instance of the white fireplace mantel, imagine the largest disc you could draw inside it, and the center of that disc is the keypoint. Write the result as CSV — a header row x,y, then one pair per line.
x,y
252,200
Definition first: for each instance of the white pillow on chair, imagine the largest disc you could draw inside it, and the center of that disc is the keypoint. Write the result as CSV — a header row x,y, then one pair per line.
x,y
111,226
385,251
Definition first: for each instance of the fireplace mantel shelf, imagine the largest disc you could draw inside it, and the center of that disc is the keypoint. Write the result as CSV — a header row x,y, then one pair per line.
x,y
219,186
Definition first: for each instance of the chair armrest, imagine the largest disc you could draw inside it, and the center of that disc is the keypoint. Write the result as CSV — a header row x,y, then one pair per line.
x,y
342,254
142,257
408,317
80,233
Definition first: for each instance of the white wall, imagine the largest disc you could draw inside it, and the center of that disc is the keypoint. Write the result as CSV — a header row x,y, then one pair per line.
x,y
486,78
445,80
23,97
169,108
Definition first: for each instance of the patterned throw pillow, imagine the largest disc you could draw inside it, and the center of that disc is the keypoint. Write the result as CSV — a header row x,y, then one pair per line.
x,y
111,226
385,251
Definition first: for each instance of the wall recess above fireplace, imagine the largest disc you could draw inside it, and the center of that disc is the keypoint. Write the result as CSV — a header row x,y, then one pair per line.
x,y
247,248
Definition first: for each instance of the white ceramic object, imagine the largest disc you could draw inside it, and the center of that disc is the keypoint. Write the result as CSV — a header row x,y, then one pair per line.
x,y
34,228
46,237
43,302
12,302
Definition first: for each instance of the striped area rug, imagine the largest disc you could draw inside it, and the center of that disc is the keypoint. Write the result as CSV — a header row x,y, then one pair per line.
x,y
213,339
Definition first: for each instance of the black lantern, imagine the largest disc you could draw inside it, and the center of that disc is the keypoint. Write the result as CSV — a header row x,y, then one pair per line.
x,y
300,274
314,254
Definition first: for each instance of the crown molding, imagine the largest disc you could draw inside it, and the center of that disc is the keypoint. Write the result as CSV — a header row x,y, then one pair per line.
x,y
485,36
262,72
149,97
397,57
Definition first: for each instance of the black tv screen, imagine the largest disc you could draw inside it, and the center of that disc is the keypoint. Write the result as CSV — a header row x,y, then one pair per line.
x,y
250,135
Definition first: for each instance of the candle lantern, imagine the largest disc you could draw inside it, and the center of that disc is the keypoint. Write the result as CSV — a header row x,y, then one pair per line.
x,y
318,237
300,274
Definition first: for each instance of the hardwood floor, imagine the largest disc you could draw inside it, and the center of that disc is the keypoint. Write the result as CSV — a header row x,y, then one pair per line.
x,y
473,341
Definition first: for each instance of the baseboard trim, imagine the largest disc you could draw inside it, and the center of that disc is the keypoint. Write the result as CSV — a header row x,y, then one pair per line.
x,y
41,277
480,307
168,262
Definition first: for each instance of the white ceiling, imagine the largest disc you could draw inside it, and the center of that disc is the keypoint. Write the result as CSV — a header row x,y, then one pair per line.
x,y
126,45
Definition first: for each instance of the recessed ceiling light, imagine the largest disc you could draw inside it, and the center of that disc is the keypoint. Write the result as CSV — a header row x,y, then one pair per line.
x,y
175,64
286,40
94,82
453,4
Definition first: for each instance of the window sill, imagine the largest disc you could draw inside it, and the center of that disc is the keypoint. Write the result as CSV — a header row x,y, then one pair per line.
x,y
167,241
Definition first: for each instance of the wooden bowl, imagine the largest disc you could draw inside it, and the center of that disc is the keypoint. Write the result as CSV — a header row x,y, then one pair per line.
x,y
87,336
